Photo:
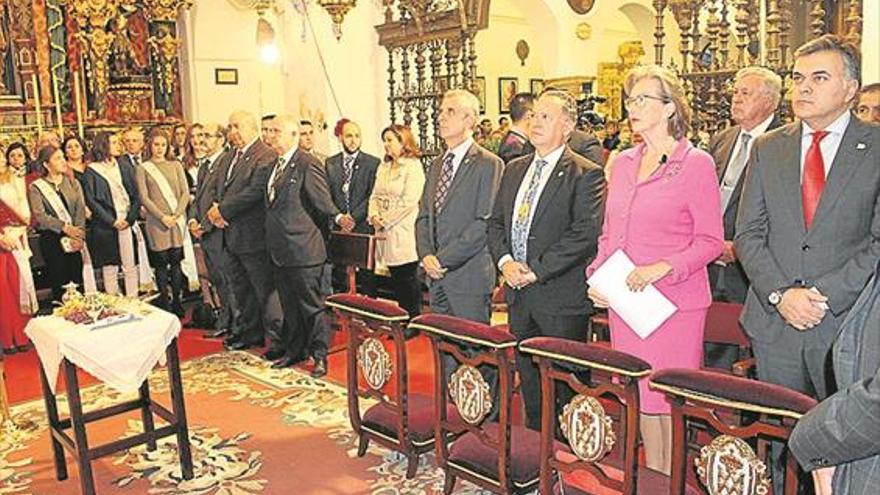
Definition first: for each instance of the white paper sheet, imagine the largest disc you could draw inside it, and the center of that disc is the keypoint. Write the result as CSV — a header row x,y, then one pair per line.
x,y
643,311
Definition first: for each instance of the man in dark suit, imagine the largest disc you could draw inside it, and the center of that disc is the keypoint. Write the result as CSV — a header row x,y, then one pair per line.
x,y
844,429
297,202
212,157
350,176
543,233
453,211
516,142
587,145
808,232
239,209
756,95
133,142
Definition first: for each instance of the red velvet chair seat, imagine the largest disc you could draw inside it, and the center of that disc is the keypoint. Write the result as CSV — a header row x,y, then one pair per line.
x,y
459,329
382,418
525,460
367,306
740,392
587,355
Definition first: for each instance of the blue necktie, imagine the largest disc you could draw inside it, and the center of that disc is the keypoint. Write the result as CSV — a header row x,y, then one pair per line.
x,y
522,215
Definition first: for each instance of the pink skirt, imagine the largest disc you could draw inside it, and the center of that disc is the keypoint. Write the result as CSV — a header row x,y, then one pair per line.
x,y
678,343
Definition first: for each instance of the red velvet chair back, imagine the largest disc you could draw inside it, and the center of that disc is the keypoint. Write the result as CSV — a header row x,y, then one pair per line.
x,y
599,441
493,455
722,325
397,419
708,398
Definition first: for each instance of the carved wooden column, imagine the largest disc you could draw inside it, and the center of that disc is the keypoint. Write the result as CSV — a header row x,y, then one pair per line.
x,y
659,7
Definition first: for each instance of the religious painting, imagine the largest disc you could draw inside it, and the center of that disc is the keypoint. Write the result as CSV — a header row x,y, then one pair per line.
x,y
226,76
536,86
7,58
480,92
508,87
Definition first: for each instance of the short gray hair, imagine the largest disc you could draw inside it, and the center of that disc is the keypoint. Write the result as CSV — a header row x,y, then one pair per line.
x,y
770,80
467,100
833,43
566,102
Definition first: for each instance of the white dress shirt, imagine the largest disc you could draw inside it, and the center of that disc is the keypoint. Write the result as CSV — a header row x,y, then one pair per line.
x,y
458,155
552,159
244,150
278,169
733,171
829,144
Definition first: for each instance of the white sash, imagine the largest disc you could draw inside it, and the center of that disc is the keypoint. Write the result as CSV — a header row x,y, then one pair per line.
x,y
145,274
51,195
189,257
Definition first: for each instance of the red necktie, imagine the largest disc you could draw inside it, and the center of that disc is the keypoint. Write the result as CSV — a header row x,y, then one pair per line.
x,y
814,178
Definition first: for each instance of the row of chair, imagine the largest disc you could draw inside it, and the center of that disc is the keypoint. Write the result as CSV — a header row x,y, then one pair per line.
x,y
592,446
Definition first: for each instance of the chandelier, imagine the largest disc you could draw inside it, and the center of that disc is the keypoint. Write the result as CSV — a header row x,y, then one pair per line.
x,y
337,10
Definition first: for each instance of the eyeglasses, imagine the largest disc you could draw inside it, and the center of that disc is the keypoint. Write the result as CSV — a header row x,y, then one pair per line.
x,y
641,100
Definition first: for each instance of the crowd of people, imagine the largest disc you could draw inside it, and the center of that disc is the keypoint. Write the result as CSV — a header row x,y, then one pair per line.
x,y
784,219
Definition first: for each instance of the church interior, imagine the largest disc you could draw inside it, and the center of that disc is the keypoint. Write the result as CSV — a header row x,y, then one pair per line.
x,y
372,419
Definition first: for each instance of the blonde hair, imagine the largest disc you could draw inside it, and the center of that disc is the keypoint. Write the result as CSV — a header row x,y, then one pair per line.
x,y
671,90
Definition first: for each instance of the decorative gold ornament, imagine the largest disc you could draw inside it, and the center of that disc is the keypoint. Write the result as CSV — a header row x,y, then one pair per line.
x,y
470,393
337,10
165,46
583,31
164,10
728,466
589,431
375,363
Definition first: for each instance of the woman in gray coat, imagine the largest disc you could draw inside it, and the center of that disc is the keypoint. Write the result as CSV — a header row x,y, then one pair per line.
x,y
164,194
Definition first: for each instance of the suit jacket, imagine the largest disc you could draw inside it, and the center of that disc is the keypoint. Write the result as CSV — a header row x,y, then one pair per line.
x,y
588,146
302,203
837,255
457,236
46,217
563,237
514,145
126,159
241,198
204,198
844,429
363,176
730,282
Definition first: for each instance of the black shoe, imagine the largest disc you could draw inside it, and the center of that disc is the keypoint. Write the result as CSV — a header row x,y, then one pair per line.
x,y
273,354
217,334
286,362
242,345
320,367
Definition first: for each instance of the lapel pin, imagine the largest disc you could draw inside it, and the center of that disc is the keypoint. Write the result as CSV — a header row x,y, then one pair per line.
x,y
559,174
861,146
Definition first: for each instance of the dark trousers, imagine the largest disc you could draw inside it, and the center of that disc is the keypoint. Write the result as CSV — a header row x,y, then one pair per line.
x,y
216,259
252,284
526,322
167,266
407,288
302,291
61,268
364,279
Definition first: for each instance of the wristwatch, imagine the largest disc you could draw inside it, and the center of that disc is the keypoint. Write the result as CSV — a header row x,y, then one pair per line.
x,y
775,297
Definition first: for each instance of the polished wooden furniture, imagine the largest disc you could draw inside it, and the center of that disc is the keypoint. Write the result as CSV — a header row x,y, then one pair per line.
x,y
78,445
353,251
493,454
601,421
728,460
399,420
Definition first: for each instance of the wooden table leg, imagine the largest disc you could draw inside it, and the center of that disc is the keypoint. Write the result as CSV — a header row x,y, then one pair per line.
x,y
86,480
52,414
183,447
146,414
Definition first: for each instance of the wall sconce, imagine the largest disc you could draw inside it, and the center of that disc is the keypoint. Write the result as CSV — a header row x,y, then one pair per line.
x,y
269,52
337,10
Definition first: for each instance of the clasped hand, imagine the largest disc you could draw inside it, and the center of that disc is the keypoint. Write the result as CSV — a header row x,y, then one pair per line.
x,y
432,267
518,275
643,276
802,308
216,218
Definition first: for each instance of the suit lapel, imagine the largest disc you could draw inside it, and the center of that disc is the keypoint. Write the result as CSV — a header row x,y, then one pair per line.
x,y
282,180
790,171
848,159
553,183
725,149
519,175
464,169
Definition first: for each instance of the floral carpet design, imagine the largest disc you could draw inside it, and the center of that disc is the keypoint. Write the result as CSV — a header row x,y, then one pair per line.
x,y
228,461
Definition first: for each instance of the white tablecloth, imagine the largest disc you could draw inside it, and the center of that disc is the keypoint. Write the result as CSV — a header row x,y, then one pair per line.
x,y
120,355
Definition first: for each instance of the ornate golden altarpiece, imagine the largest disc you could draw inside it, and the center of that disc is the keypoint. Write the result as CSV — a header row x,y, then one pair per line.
x,y
82,64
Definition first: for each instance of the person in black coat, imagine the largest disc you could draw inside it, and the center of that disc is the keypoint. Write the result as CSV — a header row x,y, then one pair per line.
x,y
516,142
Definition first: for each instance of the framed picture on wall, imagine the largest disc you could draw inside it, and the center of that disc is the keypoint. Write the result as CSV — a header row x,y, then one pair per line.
x,y
536,86
480,91
226,76
508,87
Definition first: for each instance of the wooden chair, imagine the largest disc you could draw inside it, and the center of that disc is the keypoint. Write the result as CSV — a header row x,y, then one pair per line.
x,y
728,464
399,420
723,327
494,455
600,423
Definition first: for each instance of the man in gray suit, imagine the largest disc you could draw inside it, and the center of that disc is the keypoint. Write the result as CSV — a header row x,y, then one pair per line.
x,y
453,211
808,248
844,429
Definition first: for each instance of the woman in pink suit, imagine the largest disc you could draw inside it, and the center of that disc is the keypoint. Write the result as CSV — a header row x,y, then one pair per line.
x,y
664,211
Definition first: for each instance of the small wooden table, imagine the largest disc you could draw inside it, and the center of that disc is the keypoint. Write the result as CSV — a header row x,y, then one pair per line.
x,y
79,446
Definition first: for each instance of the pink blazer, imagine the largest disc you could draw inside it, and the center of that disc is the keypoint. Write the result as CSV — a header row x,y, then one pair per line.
x,y
673,216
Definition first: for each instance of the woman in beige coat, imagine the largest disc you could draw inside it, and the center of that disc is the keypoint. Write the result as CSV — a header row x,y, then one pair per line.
x,y
392,211
164,194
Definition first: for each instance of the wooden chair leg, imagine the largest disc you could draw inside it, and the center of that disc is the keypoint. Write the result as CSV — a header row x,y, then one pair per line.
x,y
146,413
363,445
86,479
448,484
52,413
412,465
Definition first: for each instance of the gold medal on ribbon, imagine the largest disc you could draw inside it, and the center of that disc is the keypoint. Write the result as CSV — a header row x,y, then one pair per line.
x,y
523,212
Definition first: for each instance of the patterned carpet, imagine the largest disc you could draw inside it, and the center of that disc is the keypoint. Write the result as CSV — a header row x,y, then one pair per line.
x,y
254,431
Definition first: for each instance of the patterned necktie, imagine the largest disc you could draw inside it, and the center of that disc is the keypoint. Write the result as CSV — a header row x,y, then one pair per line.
x,y
347,165
275,180
734,170
522,215
814,178
232,165
136,160
444,182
